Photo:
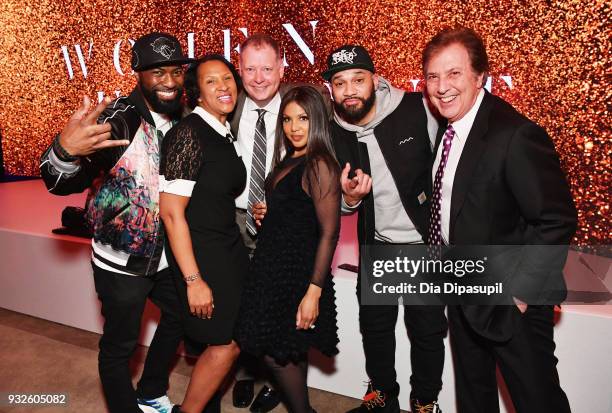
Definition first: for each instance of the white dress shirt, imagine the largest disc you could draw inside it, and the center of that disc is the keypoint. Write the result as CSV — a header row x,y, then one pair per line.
x,y
462,129
246,139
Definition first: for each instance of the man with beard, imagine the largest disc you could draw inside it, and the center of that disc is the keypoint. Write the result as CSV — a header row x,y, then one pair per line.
x,y
116,147
381,138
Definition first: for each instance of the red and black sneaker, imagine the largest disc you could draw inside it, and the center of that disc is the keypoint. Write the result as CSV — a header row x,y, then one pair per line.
x,y
377,401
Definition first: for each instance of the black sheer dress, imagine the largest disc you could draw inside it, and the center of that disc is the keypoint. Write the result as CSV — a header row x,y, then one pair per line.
x,y
295,247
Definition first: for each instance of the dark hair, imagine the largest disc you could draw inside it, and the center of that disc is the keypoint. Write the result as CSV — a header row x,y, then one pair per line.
x,y
259,40
192,89
466,37
319,146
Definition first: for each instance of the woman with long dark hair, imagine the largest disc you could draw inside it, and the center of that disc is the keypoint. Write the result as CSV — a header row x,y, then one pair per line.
x,y
201,174
288,300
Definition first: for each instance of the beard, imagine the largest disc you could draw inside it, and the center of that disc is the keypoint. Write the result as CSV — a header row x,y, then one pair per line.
x,y
354,113
158,105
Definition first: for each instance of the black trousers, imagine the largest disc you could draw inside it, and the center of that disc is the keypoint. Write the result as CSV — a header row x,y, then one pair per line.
x,y
527,363
123,299
426,327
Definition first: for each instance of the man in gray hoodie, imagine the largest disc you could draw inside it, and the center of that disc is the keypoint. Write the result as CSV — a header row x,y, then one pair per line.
x,y
382,140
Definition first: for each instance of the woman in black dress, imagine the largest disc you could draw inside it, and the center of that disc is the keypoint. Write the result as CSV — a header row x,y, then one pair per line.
x,y
201,175
288,300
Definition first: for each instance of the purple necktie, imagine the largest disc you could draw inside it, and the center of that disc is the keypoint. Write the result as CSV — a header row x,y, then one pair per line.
x,y
435,219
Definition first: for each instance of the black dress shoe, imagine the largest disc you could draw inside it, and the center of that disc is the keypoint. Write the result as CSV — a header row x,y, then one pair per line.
x,y
242,394
266,400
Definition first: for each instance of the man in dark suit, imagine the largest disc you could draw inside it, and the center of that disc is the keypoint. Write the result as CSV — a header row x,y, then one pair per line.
x,y
253,123
381,139
497,181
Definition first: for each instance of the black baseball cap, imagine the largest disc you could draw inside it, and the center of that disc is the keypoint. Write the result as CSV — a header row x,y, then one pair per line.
x,y
349,56
157,49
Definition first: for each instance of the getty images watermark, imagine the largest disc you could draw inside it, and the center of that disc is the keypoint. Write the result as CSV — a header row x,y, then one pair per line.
x,y
485,274
432,266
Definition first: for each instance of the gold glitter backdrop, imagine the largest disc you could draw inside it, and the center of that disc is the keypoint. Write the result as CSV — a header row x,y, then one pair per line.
x,y
548,58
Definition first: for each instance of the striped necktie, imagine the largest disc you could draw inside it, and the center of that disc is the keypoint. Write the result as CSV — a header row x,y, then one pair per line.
x,y
435,218
258,170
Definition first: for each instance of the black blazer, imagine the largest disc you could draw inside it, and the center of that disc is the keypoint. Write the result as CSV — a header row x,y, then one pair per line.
x,y
405,145
509,189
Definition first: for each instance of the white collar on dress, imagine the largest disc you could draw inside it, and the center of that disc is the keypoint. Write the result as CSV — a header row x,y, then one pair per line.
x,y
213,122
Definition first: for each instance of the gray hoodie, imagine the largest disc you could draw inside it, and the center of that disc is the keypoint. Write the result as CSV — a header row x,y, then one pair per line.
x,y
392,223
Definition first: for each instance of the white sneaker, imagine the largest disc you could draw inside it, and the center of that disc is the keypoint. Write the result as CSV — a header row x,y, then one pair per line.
x,y
146,409
160,405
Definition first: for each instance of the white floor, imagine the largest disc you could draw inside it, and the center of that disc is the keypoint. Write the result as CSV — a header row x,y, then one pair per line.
x,y
49,277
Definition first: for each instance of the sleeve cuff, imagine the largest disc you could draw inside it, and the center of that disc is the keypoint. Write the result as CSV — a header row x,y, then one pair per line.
x,y
316,283
182,187
347,208
63,166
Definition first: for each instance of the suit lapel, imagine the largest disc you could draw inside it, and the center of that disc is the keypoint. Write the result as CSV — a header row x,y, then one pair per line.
x,y
472,151
439,135
235,120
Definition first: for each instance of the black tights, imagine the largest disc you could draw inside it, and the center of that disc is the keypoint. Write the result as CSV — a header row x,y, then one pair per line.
x,y
291,379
